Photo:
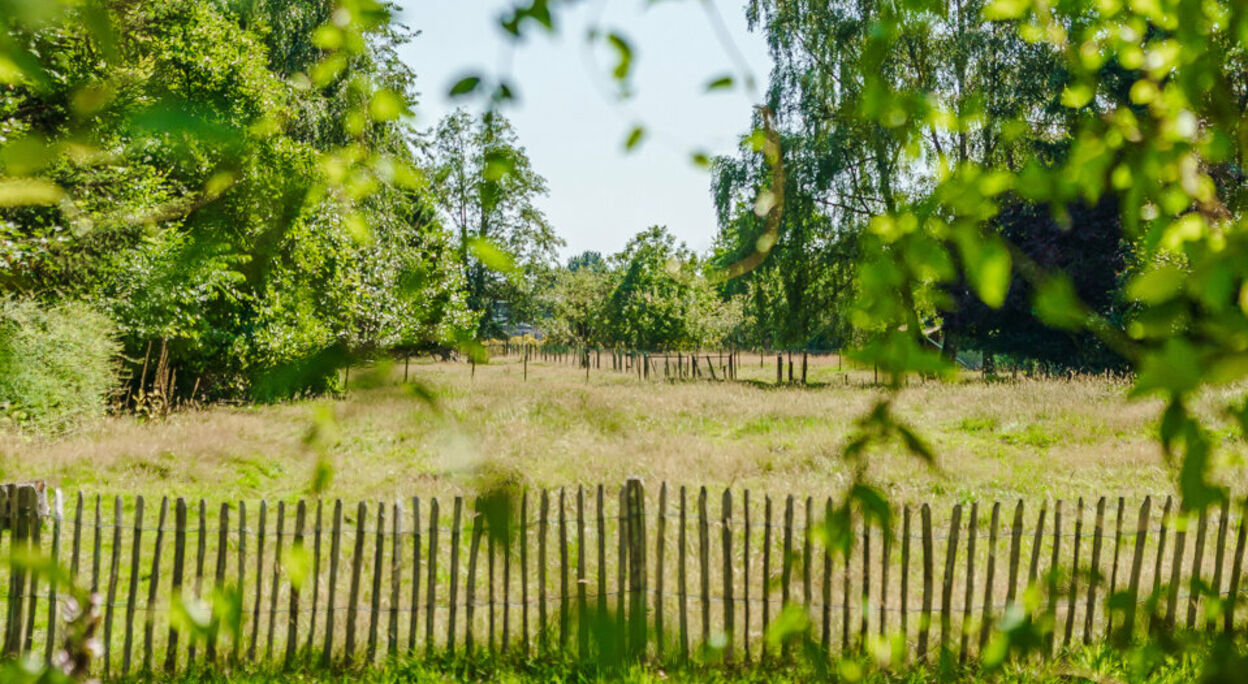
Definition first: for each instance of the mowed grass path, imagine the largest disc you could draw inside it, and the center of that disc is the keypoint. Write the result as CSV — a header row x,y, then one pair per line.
x,y
1029,438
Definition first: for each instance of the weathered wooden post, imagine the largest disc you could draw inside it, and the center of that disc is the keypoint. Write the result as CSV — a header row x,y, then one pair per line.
x,y
635,500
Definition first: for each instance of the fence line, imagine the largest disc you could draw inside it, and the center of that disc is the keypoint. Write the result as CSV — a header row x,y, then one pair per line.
x,y
597,572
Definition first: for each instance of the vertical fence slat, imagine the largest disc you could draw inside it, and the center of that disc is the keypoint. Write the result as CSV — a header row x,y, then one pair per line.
x,y
316,581
905,571
413,618
1054,569
489,554
524,566
729,617
431,581
1133,591
704,570
454,596
353,597
1113,571
1219,559
886,560
946,586
990,577
660,538
374,597
335,551
1157,560
470,590
621,578
866,577
133,593
1094,571
563,569
1016,538
847,564
825,634
296,549
96,548
925,618
201,549
21,505
1176,572
1198,556
1074,575
543,527
1037,544
582,605
179,559
113,573
396,577
786,560
53,610
807,565
242,578
682,587
505,638
255,611
745,575
77,543
223,541
276,578
1236,567
969,596
636,500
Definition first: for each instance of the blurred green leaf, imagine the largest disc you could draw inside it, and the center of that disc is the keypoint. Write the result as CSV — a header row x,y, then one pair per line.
x,y
635,136
465,86
490,254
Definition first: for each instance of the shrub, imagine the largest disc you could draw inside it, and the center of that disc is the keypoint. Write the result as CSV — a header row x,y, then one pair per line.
x,y
58,364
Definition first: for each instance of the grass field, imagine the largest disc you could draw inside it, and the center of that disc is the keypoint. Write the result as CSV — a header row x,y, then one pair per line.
x,y
1098,665
993,440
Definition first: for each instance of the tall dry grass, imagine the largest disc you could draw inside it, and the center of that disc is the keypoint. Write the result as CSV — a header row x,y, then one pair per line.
x,y
1025,437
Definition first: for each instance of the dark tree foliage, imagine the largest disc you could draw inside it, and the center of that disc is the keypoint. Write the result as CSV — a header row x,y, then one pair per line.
x,y
1089,248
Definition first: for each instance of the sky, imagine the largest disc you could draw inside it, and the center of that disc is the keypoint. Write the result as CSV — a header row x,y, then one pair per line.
x,y
573,126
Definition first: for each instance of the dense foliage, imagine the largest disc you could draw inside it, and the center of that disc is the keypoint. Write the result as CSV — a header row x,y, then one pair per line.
x,y
58,364
228,177
654,294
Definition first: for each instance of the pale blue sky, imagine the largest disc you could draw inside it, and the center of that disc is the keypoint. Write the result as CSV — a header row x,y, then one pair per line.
x,y
573,128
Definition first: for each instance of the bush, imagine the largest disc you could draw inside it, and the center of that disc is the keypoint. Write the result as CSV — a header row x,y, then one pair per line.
x,y
57,364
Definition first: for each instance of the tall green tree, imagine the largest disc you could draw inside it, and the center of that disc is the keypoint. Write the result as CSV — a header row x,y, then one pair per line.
x,y
487,190
662,299
225,177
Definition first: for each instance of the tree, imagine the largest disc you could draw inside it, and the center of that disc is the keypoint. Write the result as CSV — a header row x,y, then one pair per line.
x,y
1090,251
661,299
219,182
486,188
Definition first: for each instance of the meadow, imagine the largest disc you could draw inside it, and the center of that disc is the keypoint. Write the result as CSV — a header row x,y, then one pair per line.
x,y
445,428
451,425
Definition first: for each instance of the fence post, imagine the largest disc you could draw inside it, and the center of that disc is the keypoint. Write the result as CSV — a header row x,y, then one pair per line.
x,y
1141,536
22,503
637,565
728,561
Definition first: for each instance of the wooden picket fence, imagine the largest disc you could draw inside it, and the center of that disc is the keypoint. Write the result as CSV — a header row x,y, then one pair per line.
x,y
596,572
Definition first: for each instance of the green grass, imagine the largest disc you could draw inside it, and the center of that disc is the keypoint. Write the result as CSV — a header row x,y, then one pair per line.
x,y
1097,665
1031,438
